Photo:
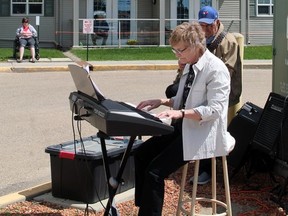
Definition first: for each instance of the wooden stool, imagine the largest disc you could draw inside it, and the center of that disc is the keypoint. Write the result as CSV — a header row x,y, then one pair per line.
x,y
214,202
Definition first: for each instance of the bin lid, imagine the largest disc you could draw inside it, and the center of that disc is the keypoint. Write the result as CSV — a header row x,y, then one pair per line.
x,y
89,148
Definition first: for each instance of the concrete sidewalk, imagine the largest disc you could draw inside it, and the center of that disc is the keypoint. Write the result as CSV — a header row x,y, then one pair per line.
x,y
61,64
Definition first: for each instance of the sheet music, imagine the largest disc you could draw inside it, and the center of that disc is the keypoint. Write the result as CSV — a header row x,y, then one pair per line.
x,y
86,68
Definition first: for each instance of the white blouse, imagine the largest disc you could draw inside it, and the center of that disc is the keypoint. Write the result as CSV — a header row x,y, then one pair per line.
x,y
209,95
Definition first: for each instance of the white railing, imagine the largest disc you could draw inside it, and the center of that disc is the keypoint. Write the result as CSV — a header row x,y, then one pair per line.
x,y
141,32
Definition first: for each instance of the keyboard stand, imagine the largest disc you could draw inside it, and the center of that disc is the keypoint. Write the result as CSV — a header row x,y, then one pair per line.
x,y
112,182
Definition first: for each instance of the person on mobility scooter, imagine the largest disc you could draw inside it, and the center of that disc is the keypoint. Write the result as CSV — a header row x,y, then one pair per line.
x,y
26,35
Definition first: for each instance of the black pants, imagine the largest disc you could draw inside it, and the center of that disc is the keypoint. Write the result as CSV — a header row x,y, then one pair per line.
x,y
95,37
155,160
205,166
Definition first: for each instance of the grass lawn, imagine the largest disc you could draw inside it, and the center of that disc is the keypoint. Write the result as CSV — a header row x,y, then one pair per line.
x,y
133,53
157,53
258,52
7,53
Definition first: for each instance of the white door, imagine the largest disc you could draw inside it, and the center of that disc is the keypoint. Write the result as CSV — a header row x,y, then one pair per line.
x,y
124,10
117,14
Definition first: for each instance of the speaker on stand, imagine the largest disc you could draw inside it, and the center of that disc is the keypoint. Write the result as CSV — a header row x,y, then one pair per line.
x,y
281,161
282,151
271,138
267,135
243,127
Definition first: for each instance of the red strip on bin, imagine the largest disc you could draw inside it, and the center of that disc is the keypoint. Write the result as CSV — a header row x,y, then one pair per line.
x,y
67,155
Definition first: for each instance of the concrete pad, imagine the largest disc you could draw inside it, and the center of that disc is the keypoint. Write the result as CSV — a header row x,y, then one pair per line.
x,y
122,197
44,60
61,60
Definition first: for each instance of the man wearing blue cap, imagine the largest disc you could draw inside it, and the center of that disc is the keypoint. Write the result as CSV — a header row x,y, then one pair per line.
x,y
224,45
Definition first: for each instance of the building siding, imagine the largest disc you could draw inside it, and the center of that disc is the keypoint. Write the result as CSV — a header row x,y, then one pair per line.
x,y
66,19
46,30
261,34
229,14
260,28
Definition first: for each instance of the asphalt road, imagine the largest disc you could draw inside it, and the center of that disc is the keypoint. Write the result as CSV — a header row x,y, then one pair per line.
x,y
35,114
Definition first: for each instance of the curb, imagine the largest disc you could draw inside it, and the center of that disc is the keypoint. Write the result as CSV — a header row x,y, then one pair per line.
x,y
5,69
258,66
117,67
135,67
39,69
25,194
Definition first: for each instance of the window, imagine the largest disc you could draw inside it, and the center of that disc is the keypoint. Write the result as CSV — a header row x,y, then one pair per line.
x,y
264,7
27,7
205,3
99,5
4,7
182,11
124,12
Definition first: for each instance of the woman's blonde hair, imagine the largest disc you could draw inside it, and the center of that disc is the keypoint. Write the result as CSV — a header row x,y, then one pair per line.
x,y
188,33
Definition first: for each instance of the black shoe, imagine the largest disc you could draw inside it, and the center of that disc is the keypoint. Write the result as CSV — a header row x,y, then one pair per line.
x,y
203,178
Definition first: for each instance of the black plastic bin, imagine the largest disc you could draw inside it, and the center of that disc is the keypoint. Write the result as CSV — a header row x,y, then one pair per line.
x,y
78,173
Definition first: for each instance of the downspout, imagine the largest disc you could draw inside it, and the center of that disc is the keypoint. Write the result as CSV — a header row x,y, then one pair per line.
x,y
248,22
162,22
75,23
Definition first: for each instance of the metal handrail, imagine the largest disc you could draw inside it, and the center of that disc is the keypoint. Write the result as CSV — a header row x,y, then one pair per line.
x,y
146,32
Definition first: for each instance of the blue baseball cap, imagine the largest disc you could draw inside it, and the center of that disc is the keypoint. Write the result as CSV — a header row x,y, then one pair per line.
x,y
207,15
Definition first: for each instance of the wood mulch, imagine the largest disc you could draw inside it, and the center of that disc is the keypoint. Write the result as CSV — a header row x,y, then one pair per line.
x,y
250,197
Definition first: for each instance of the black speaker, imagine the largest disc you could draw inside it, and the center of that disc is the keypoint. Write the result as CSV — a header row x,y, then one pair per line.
x,y
243,127
267,135
282,150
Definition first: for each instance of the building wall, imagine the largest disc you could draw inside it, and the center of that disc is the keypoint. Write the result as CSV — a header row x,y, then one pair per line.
x,y
260,29
260,34
65,27
229,14
46,29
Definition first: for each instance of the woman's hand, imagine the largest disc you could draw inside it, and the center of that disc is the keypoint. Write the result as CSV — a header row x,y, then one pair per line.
x,y
149,104
170,114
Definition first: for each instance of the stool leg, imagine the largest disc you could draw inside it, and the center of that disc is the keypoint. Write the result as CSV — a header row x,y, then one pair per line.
x,y
214,205
194,190
226,184
182,187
